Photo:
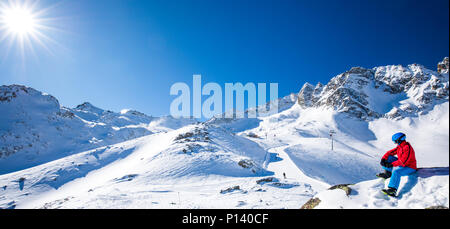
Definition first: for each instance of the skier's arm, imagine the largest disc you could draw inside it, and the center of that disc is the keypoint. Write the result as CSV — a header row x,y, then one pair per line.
x,y
391,152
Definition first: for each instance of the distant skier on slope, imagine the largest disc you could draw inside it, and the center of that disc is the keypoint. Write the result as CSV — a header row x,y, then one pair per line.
x,y
405,162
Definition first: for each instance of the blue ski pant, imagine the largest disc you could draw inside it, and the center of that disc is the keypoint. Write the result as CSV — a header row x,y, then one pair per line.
x,y
397,173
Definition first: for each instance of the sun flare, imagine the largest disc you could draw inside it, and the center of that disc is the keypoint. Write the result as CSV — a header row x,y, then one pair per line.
x,y
24,24
19,20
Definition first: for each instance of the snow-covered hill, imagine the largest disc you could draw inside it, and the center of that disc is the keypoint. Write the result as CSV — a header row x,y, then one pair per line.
x,y
86,157
197,162
35,128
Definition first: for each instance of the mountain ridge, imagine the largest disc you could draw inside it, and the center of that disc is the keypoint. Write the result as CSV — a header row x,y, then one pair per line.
x,y
413,89
35,128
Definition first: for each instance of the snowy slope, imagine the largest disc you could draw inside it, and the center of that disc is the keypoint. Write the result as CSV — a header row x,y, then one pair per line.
x,y
194,162
305,135
35,128
358,145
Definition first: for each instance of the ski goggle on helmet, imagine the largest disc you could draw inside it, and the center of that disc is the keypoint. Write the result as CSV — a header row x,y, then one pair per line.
x,y
398,138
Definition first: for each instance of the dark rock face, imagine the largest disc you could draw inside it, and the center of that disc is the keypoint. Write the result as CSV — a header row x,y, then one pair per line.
x,y
356,91
311,204
309,94
245,164
437,207
266,180
305,95
7,93
443,66
343,93
230,189
344,187
198,135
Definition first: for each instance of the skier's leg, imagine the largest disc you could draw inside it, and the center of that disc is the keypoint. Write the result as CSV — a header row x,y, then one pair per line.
x,y
387,169
397,174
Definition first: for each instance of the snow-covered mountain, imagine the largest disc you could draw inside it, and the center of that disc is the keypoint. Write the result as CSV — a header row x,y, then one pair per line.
x,y
393,91
277,160
35,128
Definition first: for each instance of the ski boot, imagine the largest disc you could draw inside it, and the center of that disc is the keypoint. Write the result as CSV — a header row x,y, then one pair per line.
x,y
390,192
384,175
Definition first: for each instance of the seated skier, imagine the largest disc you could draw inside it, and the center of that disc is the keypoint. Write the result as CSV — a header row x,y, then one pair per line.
x,y
405,163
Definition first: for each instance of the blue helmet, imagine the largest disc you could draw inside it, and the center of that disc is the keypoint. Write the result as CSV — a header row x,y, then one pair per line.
x,y
398,138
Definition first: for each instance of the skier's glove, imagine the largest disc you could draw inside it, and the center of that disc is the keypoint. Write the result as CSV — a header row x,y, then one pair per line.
x,y
383,162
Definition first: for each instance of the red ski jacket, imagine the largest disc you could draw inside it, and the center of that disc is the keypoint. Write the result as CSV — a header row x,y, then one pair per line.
x,y
405,153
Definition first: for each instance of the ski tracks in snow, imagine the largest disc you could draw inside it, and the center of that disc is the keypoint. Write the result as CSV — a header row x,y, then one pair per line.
x,y
280,163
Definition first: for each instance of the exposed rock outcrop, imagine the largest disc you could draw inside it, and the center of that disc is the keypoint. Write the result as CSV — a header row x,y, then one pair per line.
x,y
405,91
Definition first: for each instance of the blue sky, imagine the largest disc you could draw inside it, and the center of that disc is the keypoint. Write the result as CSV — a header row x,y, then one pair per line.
x,y
126,54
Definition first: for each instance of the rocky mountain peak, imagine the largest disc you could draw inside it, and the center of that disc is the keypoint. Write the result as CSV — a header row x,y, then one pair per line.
x,y
365,93
84,105
12,94
305,95
8,93
442,66
358,70
319,85
132,112
87,106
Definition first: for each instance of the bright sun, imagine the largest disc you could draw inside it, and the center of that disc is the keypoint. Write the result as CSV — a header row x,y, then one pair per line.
x,y
23,24
19,20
